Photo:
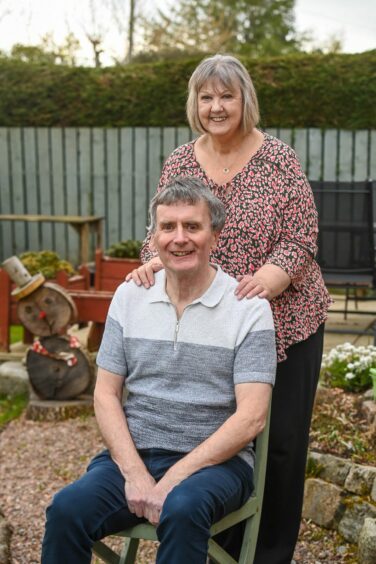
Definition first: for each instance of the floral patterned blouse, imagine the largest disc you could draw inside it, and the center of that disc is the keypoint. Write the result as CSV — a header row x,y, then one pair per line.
x,y
271,218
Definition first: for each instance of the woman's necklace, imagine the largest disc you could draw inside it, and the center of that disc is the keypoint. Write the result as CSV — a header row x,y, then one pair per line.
x,y
226,169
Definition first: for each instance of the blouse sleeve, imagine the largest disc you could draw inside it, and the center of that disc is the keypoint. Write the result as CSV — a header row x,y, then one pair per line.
x,y
296,246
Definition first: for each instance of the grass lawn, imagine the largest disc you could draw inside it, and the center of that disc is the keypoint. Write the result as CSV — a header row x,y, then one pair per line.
x,y
11,407
16,333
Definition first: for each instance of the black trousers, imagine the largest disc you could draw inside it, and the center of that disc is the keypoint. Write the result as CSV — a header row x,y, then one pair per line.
x,y
292,404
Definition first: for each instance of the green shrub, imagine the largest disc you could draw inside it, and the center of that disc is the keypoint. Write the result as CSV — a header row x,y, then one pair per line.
x,y
46,262
348,367
125,249
302,90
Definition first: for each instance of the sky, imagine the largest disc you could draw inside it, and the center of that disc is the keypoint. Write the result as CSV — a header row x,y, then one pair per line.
x,y
351,21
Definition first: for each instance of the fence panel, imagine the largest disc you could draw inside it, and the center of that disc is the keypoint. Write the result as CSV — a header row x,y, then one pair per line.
x,y
45,195
16,154
126,184
58,190
32,191
140,181
71,151
6,201
115,172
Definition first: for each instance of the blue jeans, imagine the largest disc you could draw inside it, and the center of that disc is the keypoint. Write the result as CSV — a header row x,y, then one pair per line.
x,y
95,507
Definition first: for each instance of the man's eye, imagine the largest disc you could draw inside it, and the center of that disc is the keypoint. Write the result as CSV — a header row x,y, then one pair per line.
x,y
193,227
167,227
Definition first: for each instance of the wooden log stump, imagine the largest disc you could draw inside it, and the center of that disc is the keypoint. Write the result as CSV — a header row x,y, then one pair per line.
x,y
56,370
52,411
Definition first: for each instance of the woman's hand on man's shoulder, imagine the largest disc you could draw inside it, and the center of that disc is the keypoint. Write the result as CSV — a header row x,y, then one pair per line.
x,y
144,274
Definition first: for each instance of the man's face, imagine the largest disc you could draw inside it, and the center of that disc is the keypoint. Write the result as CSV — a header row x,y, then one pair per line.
x,y
184,237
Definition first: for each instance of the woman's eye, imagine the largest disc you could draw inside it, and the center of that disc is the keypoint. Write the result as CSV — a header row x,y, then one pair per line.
x,y
205,98
227,96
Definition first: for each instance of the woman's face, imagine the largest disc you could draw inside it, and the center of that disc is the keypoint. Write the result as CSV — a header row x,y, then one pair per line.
x,y
220,109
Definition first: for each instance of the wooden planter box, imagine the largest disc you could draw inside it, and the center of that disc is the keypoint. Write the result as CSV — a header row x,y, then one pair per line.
x,y
110,272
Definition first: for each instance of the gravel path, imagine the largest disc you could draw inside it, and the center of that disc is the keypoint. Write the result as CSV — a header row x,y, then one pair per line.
x,y
37,459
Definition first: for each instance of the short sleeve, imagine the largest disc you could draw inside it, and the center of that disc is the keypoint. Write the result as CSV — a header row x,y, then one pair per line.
x,y
256,356
111,354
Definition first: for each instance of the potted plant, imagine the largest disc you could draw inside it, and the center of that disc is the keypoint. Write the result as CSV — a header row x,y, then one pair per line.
x,y
54,269
112,268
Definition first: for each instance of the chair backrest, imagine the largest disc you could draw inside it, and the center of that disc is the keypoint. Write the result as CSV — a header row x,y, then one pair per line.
x,y
346,217
261,460
250,513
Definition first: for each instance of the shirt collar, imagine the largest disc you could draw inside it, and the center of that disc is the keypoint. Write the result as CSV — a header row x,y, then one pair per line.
x,y
210,298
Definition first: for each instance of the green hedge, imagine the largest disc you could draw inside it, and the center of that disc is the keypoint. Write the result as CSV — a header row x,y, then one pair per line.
x,y
296,91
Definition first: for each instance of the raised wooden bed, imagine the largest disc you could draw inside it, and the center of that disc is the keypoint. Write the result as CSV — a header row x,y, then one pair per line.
x,y
110,272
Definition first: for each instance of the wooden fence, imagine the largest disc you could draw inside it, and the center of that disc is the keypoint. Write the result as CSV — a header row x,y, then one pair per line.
x,y
114,173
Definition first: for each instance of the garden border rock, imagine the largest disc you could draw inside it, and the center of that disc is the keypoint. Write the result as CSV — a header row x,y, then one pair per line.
x,y
14,378
341,495
5,536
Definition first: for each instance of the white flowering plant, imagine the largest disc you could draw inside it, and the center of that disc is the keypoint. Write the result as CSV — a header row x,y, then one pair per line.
x,y
349,367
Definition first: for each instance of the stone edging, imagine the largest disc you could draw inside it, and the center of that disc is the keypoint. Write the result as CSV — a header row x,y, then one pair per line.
x,y
341,495
5,535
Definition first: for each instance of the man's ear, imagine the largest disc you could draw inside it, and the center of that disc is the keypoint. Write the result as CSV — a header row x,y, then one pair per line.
x,y
152,246
216,235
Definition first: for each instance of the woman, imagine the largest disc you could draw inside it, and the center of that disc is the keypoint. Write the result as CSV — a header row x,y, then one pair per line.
x,y
269,244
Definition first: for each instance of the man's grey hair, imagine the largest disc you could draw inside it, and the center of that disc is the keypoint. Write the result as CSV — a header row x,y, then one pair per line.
x,y
230,72
188,190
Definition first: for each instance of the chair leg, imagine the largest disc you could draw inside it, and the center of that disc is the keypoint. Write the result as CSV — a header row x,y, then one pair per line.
x,y
129,552
105,553
248,550
218,555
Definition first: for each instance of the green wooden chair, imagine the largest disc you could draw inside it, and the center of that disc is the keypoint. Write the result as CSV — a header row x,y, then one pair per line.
x,y
250,513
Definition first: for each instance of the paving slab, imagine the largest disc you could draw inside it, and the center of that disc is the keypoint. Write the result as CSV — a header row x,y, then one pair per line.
x,y
355,322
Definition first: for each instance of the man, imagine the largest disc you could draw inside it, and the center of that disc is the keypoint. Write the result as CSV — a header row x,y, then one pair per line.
x,y
199,365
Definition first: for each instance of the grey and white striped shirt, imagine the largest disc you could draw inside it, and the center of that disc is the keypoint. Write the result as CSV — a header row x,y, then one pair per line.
x,y
181,374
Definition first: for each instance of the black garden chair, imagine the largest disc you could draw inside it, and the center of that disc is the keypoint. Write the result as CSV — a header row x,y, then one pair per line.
x,y
347,213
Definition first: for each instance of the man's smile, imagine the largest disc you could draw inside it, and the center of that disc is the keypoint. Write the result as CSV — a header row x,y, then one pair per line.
x,y
181,253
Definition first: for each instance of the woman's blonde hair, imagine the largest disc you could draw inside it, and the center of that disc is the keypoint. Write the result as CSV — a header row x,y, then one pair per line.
x,y
230,72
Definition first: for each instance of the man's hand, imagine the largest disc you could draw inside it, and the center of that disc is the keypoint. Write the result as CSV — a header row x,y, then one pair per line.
x,y
137,492
145,497
156,499
144,274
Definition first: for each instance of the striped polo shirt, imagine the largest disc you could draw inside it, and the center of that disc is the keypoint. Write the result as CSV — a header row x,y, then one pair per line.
x,y
180,373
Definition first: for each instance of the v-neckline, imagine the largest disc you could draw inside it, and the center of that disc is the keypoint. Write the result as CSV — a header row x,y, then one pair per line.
x,y
230,181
